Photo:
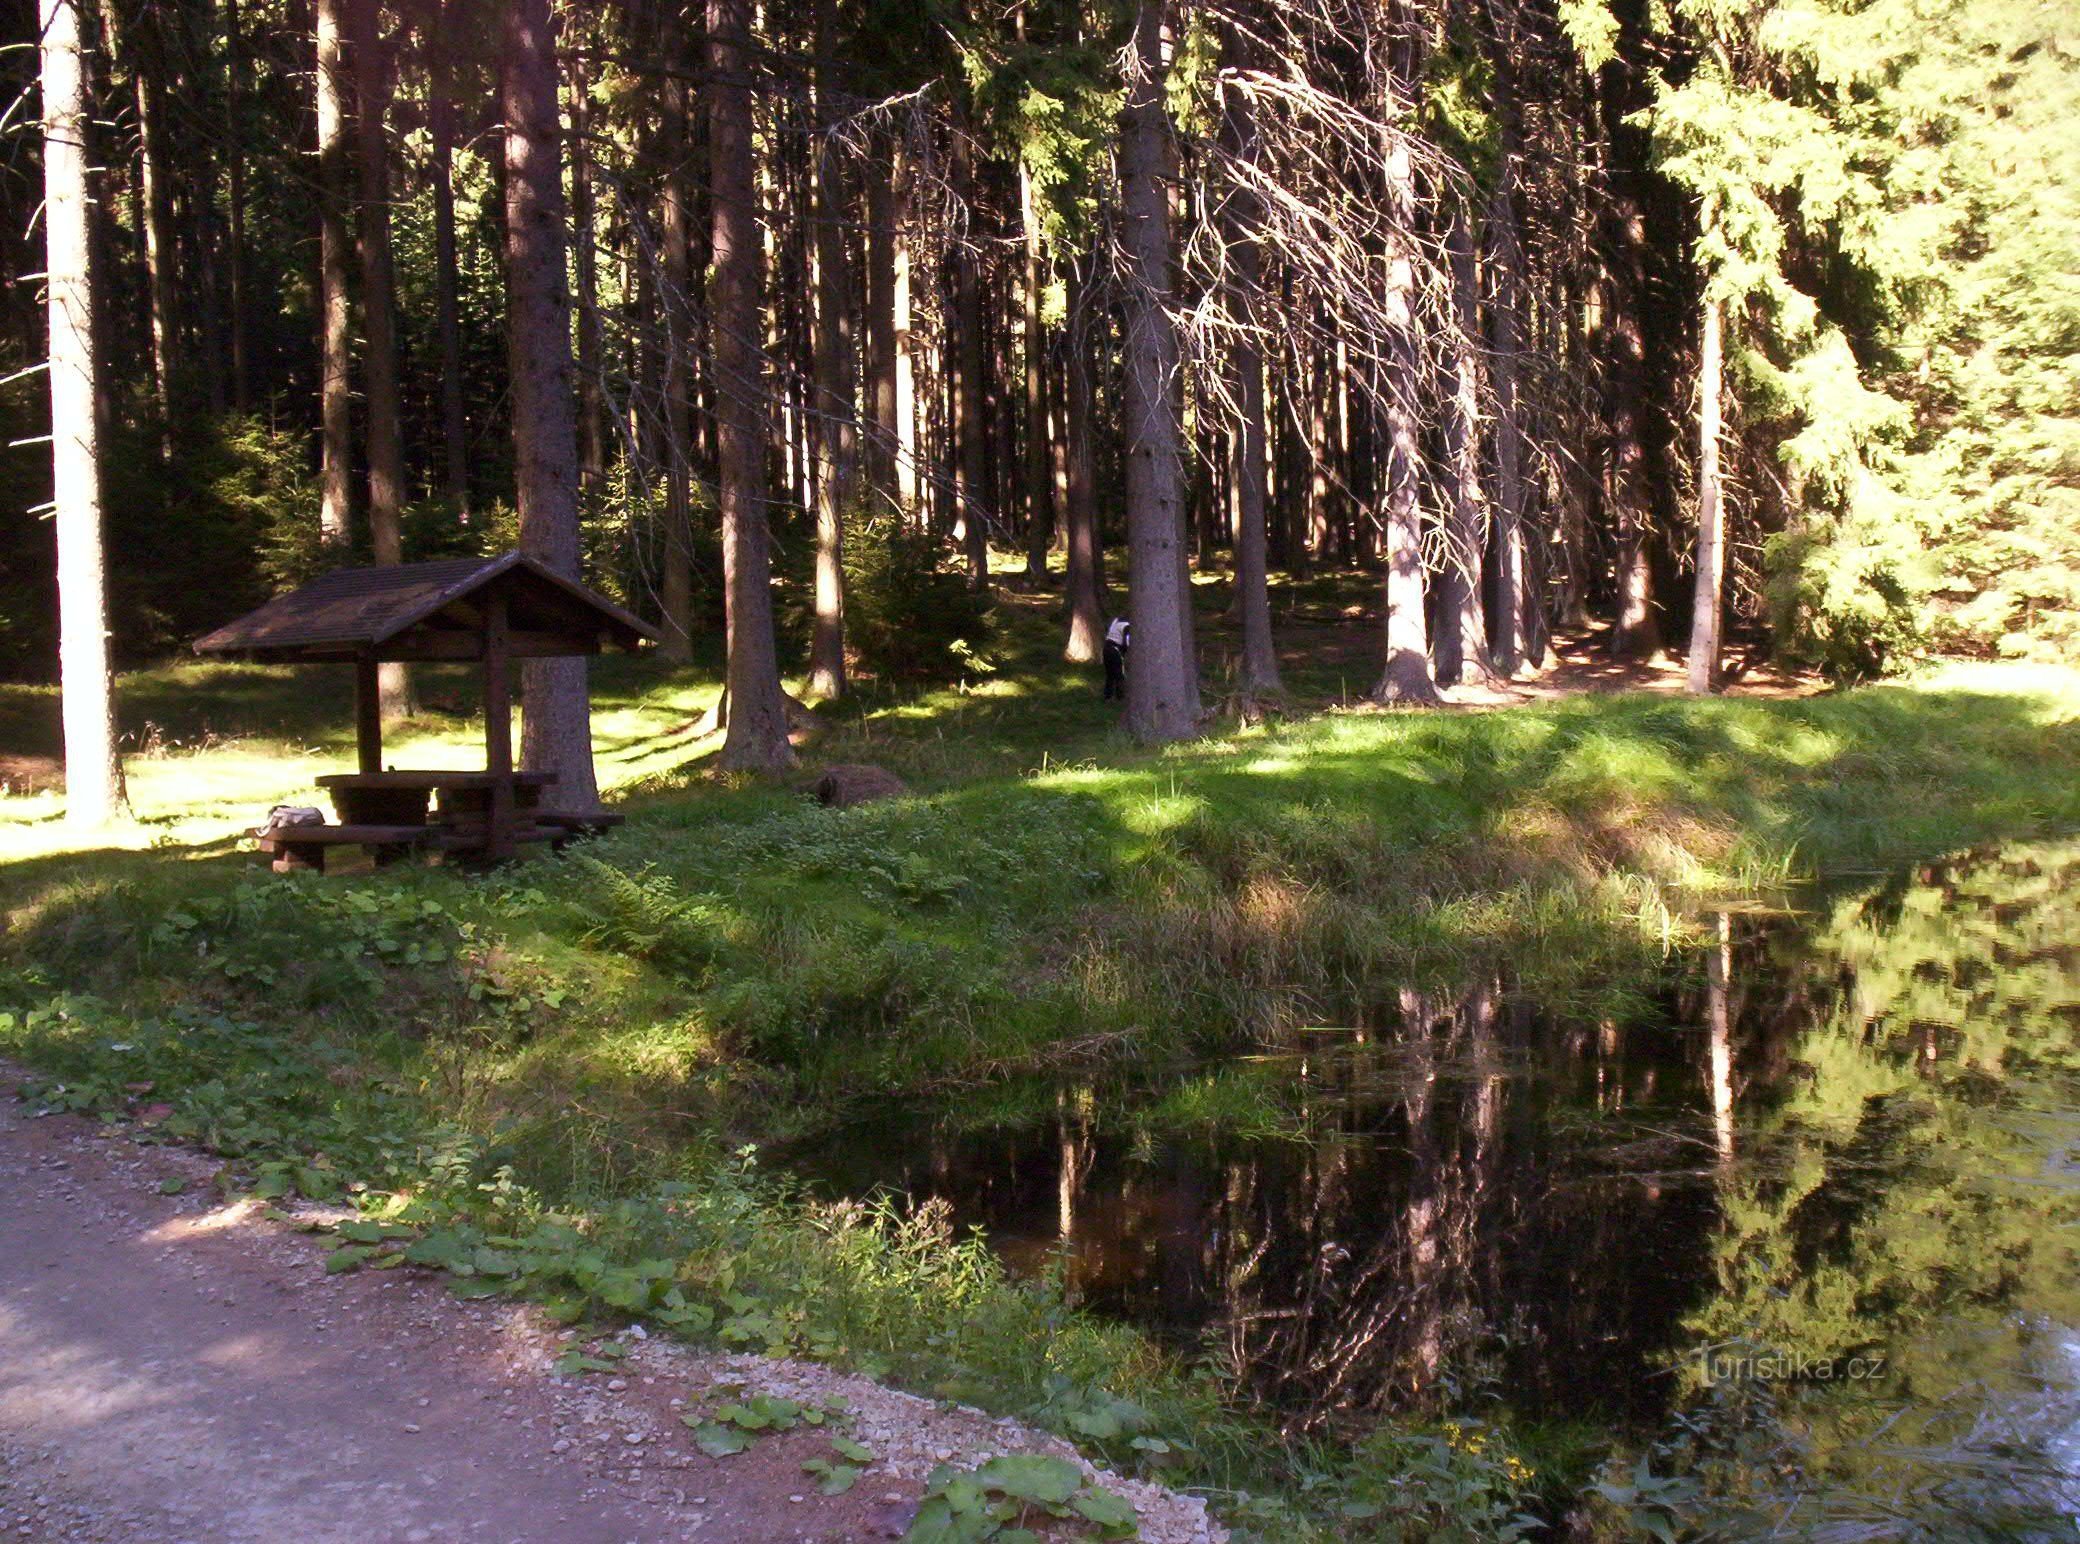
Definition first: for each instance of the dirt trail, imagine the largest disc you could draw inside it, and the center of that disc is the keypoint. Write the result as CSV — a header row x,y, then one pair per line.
x,y
174,1369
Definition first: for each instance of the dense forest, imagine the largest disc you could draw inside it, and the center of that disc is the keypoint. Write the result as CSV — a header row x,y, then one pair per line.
x,y
1739,326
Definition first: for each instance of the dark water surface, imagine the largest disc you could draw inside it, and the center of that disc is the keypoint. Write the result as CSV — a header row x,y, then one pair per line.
x,y
1842,1136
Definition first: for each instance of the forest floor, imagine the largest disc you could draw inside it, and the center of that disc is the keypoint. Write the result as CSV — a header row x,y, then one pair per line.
x,y
626,1040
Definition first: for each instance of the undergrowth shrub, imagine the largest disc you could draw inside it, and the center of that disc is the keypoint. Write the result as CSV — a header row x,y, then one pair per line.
x,y
910,618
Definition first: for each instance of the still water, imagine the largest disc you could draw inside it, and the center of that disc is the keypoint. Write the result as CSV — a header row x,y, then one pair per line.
x,y
1839,1140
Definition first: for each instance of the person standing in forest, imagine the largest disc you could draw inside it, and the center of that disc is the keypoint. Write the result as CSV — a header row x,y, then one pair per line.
x,y
1117,637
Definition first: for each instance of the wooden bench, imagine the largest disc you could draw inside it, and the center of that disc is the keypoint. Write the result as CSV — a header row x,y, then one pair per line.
x,y
464,834
301,849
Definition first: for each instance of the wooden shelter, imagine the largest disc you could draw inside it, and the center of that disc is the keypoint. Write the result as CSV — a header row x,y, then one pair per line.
x,y
490,611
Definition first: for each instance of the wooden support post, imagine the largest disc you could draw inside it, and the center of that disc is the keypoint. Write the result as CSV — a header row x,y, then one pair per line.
x,y
368,714
498,726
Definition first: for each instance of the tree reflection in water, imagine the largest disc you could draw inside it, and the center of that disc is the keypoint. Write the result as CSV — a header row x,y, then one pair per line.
x,y
1826,1132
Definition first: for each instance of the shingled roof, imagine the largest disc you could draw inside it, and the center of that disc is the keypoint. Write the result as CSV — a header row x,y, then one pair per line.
x,y
428,611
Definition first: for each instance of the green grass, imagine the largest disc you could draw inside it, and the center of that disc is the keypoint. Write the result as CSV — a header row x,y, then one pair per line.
x,y
737,965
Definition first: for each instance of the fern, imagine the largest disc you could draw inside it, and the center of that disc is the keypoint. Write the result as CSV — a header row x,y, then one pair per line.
x,y
644,914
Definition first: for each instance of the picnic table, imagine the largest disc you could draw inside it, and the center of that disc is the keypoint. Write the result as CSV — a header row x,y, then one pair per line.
x,y
491,611
399,797
471,814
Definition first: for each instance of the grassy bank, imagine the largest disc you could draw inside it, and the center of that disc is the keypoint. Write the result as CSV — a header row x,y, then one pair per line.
x,y
595,1037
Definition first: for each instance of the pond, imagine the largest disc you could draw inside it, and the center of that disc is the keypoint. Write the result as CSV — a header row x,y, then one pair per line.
x,y
1833,1150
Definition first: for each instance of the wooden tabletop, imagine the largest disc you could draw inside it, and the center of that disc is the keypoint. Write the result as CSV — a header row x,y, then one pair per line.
x,y
432,779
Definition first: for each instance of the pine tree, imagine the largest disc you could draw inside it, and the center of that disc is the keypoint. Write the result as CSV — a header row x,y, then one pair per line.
x,y
1163,685
756,739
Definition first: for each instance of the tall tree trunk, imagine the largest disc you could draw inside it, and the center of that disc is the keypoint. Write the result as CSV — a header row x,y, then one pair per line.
x,y
757,735
970,362
1711,513
155,193
335,379
1320,454
1513,595
379,322
1406,676
446,281
906,347
881,326
88,706
205,241
557,727
1084,596
833,422
677,236
1462,654
1637,630
592,413
235,199
1039,504
1163,683
1240,215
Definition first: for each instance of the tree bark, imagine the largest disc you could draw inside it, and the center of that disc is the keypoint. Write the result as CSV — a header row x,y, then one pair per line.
x,y
335,378
440,114
556,733
235,198
1163,683
1240,215
757,736
833,423
592,437
385,433
1406,676
1320,453
1462,653
881,327
1039,502
676,586
1084,596
155,193
1711,514
1513,598
971,450
87,698
1637,630
906,350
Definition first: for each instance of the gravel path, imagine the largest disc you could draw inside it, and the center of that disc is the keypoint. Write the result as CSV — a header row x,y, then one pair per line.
x,y
173,1369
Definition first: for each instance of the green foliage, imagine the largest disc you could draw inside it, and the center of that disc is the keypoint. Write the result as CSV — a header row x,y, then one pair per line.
x,y
1885,198
998,1498
908,616
1846,594
1460,1483
734,1426
260,479
1051,107
1591,30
